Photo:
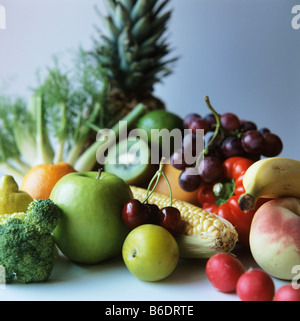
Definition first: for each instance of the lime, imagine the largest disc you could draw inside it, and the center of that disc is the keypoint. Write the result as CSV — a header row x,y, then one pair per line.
x,y
159,125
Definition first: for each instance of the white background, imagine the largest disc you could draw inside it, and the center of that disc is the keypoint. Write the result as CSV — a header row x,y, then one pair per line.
x,y
243,54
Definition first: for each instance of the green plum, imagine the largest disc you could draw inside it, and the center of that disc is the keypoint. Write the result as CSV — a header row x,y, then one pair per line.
x,y
150,252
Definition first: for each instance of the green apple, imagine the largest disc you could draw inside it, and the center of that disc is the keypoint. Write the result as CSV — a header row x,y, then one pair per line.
x,y
150,252
91,228
12,199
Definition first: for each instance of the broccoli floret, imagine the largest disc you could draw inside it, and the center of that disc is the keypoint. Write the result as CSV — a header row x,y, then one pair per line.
x,y
27,245
43,214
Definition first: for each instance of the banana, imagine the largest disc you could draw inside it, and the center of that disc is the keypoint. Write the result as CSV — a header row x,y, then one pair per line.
x,y
270,178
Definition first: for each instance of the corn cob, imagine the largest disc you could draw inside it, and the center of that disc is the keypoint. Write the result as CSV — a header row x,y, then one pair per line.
x,y
202,234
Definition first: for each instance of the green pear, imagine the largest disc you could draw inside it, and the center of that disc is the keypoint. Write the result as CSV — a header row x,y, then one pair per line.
x,y
12,199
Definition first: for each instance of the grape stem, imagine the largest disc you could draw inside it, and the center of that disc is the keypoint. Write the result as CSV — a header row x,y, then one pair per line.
x,y
156,178
218,128
218,122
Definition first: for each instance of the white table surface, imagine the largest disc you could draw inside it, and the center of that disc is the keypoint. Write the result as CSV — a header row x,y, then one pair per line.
x,y
111,281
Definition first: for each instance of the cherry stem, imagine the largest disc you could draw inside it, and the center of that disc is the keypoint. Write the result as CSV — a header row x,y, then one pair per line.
x,y
169,186
156,178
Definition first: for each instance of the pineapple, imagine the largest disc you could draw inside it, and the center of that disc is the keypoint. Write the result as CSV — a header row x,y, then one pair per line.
x,y
133,51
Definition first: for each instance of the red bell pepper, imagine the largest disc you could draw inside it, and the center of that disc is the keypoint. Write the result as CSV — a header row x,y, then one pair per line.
x,y
222,197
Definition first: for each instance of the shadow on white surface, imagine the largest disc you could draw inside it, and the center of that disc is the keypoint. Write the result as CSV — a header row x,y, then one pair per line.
x,y
111,281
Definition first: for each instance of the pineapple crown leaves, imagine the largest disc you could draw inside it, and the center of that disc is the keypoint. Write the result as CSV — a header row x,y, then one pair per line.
x,y
133,49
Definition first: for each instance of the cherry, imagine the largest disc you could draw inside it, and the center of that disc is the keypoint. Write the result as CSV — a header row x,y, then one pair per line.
x,y
170,219
155,215
135,213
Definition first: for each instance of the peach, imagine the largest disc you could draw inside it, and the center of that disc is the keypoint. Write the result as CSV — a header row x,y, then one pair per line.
x,y
275,237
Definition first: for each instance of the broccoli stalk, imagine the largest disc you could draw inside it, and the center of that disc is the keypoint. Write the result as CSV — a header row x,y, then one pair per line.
x,y
27,246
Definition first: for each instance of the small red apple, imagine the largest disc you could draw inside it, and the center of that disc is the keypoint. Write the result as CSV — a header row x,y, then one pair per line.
x,y
275,237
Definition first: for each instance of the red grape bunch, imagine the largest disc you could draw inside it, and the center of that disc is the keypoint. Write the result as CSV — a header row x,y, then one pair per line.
x,y
226,135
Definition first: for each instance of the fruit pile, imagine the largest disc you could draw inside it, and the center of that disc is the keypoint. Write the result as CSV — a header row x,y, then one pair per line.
x,y
231,137
102,214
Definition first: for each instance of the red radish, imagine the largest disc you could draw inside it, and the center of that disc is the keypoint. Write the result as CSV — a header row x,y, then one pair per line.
x,y
223,271
287,293
255,285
